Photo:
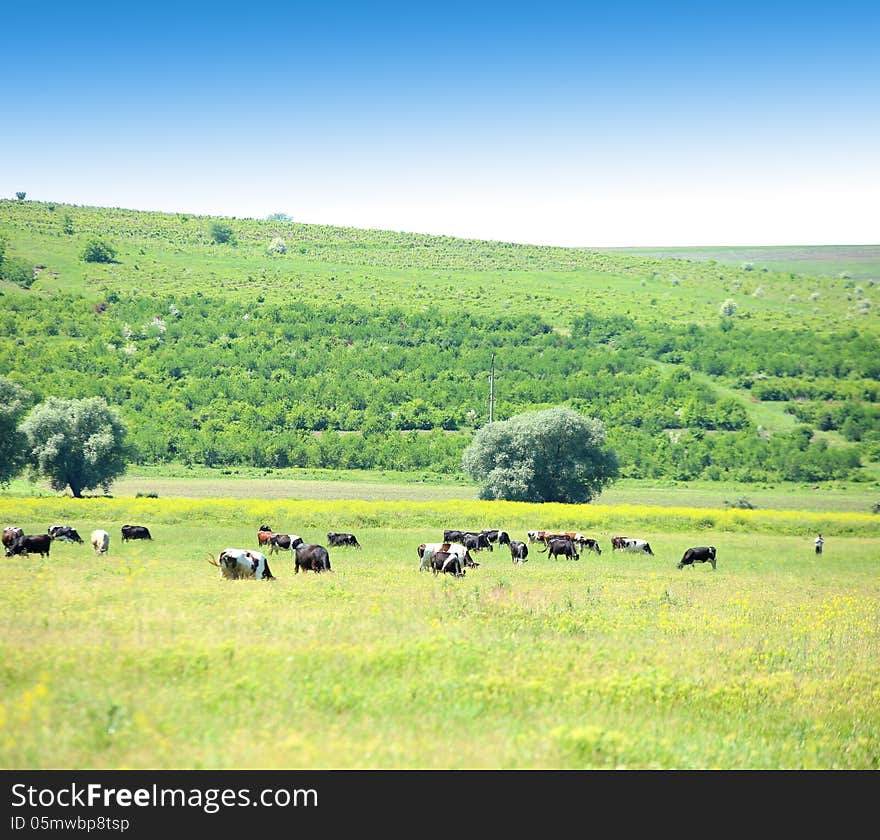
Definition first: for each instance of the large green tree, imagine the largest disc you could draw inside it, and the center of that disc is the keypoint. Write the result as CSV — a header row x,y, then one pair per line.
x,y
79,444
14,402
555,455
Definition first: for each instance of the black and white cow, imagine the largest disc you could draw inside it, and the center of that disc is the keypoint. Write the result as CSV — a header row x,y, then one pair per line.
x,y
285,542
311,558
629,544
476,542
334,538
519,551
135,532
64,533
587,543
243,563
698,554
452,536
497,535
427,550
30,544
446,563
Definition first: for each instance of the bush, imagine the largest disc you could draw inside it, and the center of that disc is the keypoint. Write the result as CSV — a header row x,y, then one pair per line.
x,y
99,251
277,246
221,233
728,308
18,271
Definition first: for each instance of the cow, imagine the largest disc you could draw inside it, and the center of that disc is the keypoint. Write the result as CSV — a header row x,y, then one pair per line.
x,y
285,542
135,532
311,558
452,536
497,535
698,554
264,535
475,541
427,550
450,564
519,551
10,534
100,541
334,538
587,543
30,544
242,563
65,533
637,546
564,546
536,536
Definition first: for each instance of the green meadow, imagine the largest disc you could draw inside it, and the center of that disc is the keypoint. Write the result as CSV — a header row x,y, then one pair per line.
x,y
146,658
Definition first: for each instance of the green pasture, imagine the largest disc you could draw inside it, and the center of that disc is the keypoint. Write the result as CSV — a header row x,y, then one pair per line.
x,y
146,658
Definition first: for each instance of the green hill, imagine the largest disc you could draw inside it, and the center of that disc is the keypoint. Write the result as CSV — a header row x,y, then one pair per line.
x,y
319,346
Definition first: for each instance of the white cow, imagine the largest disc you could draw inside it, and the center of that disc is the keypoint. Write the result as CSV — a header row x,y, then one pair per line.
x,y
238,563
638,546
100,541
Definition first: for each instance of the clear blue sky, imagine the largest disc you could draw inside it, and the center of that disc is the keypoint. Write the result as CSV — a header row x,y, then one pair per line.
x,y
561,123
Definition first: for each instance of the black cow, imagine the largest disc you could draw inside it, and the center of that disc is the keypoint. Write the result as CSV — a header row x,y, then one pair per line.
x,y
589,544
342,539
451,536
698,554
287,542
476,541
135,532
450,564
519,551
65,533
565,547
311,558
30,544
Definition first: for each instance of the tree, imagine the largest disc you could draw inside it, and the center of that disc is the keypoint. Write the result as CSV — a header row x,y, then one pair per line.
x,y
98,251
14,401
221,232
555,455
76,443
21,196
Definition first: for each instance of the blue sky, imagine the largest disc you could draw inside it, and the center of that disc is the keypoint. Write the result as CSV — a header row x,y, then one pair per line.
x,y
586,124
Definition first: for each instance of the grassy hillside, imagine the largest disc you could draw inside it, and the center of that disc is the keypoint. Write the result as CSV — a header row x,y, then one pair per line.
x,y
320,347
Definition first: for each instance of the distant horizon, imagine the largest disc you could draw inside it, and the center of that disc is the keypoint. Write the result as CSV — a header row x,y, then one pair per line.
x,y
575,124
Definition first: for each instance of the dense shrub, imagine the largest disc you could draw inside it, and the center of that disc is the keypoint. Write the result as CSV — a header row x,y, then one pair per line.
x,y
98,251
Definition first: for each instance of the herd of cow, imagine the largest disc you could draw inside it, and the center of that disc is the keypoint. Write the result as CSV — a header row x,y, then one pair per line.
x,y
452,556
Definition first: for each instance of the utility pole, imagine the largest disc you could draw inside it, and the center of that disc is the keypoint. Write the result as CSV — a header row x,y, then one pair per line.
x,y
492,390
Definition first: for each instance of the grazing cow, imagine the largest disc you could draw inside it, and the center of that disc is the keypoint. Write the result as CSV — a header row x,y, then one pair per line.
x,y
497,535
565,547
242,563
286,542
451,536
135,532
10,534
311,558
100,541
65,533
587,543
535,536
264,535
450,564
637,546
427,550
342,539
698,554
475,541
519,551
30,544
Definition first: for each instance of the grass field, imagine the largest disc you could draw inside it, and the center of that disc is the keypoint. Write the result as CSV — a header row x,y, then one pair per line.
x,y
145,658
859,262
